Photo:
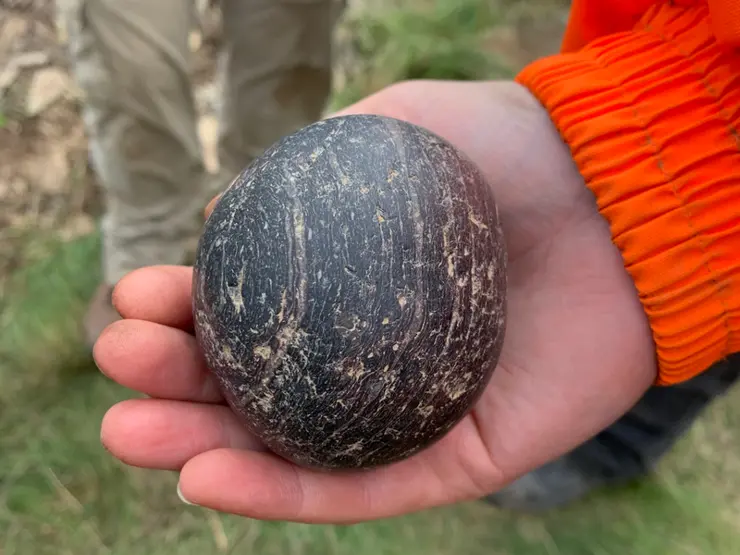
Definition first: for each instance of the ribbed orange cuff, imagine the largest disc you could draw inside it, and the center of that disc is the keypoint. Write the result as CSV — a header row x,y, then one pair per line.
x,y
652,118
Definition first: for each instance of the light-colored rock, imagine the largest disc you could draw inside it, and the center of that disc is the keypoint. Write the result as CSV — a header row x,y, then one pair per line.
x,y
208,132
195,40
47,170
77,226
12,188
47,86
13,68
12,28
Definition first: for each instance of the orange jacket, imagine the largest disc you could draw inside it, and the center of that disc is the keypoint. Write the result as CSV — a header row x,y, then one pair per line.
x,y
646,94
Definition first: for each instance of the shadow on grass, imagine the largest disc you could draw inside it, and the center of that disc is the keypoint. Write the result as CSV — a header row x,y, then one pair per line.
x,y
41,337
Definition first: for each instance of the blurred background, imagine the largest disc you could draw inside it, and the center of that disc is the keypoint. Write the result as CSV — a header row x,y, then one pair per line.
x,y
61,493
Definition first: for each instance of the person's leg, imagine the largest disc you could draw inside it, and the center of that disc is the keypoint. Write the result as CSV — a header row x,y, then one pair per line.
x,y
627,450
131,60
276,64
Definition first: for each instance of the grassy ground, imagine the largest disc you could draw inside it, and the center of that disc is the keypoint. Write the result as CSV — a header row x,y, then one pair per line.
x,y
60,493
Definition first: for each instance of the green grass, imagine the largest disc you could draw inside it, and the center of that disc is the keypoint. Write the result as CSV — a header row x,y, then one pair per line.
x,y
40,332
421,39
62,494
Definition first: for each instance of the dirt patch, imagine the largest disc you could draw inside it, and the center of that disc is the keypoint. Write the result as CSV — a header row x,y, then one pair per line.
x,y
44,181
47,187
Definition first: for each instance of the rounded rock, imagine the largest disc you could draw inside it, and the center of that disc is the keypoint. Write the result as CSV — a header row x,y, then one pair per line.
x,y
349,292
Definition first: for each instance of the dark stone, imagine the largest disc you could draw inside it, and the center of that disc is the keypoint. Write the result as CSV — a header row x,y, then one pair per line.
x,y
350,292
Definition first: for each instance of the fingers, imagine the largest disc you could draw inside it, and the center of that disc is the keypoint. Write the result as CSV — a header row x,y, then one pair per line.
x,y
164,435
160,294
264,486
267,487
155,360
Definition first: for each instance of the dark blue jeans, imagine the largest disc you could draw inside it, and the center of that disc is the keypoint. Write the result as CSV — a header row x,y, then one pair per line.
x,y
632,446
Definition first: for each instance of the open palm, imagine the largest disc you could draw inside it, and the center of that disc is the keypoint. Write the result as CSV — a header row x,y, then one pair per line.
x,y
576,356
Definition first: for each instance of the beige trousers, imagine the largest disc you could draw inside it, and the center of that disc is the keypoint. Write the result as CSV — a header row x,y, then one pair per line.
x,y
131,60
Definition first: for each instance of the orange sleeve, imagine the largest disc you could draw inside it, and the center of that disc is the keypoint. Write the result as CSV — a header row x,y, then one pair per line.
x,y
652,119
725,16
593,19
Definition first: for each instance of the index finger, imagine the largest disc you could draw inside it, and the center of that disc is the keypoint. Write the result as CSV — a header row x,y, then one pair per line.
x,y
267,487
160,294
211,205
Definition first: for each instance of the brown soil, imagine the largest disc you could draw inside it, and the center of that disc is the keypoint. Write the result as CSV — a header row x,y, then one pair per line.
x,y
46,184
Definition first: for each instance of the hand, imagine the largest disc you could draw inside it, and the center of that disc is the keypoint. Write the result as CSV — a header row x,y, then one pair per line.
x,y
577,355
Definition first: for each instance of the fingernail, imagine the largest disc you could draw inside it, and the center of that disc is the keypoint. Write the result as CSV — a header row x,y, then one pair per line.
x,y
182,497
211,205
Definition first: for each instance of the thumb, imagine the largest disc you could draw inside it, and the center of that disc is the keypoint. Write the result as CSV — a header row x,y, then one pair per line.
x,y
211,205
